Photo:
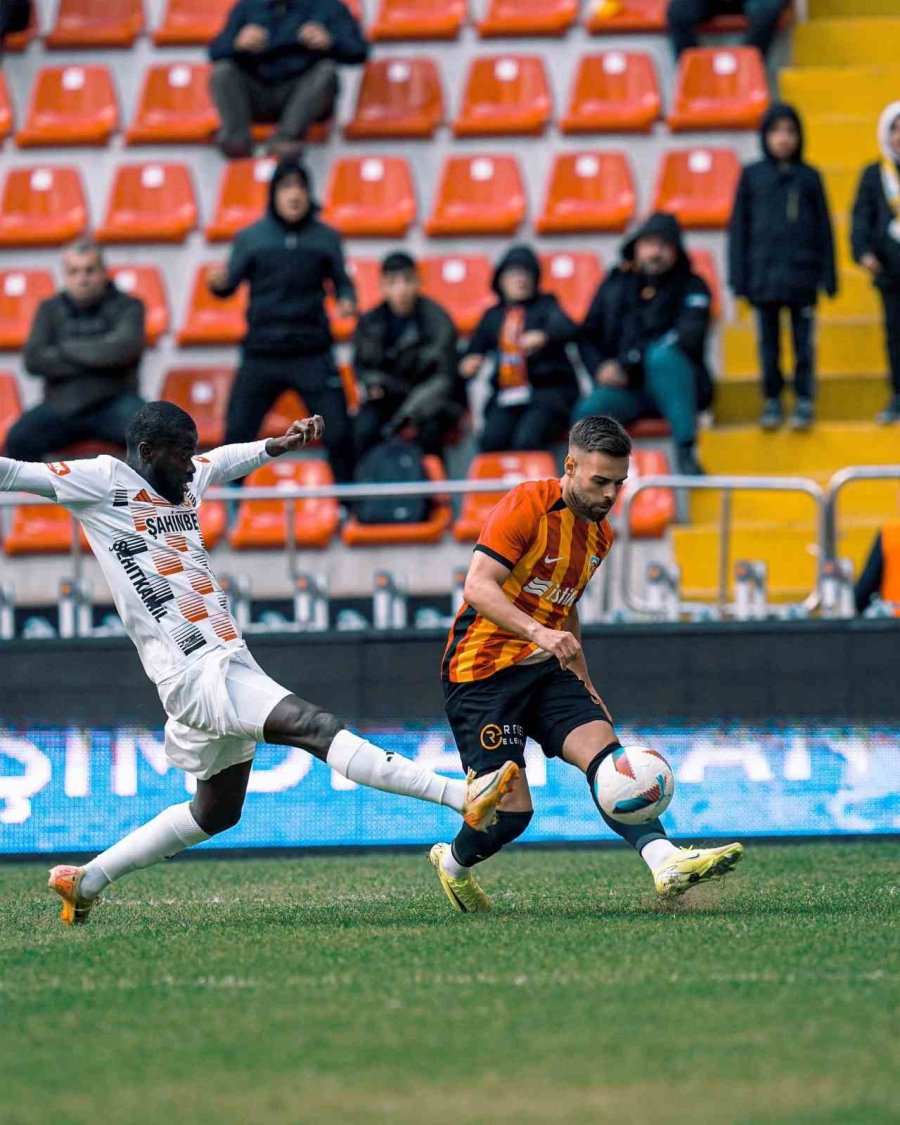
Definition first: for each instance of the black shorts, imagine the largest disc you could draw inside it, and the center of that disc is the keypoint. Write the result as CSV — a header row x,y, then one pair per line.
x,y
491,718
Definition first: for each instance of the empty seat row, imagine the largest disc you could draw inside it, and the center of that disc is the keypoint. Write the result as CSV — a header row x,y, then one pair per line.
x,y
503,95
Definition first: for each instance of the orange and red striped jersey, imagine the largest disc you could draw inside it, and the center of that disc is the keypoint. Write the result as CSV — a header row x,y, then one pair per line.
x,y
552,555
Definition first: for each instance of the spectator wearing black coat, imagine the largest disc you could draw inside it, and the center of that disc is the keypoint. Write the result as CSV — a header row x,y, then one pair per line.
x,y
533,386
286,259
875,236
86,344
276,61
406,361
684,16
780,256
644,338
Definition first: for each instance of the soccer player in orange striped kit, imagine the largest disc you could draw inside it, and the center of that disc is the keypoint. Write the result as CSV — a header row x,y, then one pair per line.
x,y
514,667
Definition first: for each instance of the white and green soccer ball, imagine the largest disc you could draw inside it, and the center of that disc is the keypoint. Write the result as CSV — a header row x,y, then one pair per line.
x,y
634,784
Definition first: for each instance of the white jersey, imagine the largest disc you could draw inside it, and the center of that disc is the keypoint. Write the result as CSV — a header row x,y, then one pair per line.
x,y
150,550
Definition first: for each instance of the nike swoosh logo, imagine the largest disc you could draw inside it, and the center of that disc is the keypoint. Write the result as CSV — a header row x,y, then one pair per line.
x,y
550,561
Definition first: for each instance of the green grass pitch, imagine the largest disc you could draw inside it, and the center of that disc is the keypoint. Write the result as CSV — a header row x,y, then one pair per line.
x,y
344,989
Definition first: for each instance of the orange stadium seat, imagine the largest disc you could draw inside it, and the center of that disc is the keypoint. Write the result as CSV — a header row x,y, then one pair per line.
x,y
370,196
96,24
191,23
698,185
528,17
588,191
243,196
174,106
145,282
418,19
151,202
366,276
704,264
10,403
478,195
654,509
573,277
21,291
264,523
44,529
20,40
356,534
734,23
203,392
504,94
615,17
397,98
507,469
70,105
42,206
212,320
6,108
286,409
719,88
461,284
615,91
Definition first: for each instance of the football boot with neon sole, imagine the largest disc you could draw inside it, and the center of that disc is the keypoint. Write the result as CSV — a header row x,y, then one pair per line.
x,y
693,866
483,795
65,881
465,894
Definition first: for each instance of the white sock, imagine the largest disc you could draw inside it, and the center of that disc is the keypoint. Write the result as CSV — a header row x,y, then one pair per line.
x,y
451,865
360,761
658,852
166,835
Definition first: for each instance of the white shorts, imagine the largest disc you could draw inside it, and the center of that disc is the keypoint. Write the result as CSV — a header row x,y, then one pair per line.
x,y
217,709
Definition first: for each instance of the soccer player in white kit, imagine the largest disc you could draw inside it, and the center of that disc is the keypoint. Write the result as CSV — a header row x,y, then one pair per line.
x,y
140,518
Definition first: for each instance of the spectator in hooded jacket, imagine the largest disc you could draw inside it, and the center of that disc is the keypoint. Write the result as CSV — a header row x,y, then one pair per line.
x,y
875,235
684,16
644,338
534,386
276,61
286,259
406,360
780,255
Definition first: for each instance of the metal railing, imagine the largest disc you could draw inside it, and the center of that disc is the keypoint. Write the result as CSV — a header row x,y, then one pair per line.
x,y
835,487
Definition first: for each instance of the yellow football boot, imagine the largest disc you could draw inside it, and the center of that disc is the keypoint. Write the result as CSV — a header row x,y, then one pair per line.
x,y
483,795
465,894
65,881
694,866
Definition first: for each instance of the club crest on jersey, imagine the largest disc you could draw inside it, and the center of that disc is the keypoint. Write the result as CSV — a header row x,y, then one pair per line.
x,y
595,561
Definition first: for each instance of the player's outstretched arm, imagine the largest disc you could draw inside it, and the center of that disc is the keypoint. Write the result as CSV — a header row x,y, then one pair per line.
x,y
26,476
231,462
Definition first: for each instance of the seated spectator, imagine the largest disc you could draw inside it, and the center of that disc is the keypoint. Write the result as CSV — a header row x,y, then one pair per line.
x,y
86,344
762,20
780,254
275,61
875,236
286,259
15,15
644,338
533,388
405,359
880,576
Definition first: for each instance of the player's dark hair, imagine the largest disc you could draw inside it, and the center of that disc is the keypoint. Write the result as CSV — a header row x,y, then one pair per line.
x,y
398,261
159,423
599,434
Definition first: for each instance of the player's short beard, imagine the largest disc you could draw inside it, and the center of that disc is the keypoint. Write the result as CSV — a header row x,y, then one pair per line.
x,y
582,507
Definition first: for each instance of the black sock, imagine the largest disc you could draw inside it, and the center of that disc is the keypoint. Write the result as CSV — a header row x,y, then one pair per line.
x,y
471,847
638,835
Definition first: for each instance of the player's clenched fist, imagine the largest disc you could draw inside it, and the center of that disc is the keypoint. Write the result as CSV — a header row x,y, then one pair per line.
x,y
559,643
297,435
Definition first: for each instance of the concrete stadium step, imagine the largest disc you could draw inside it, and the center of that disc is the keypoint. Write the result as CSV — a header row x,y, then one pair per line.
x,y
843,347
861,504
841,182
824,449
839,398
857,299
847,42
819,9
853,90
841,139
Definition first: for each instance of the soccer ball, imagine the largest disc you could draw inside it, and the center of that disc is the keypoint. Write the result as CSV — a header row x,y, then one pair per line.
x,y
634,784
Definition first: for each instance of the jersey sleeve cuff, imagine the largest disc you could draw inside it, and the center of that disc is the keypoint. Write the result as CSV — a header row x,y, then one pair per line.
x,y
495,555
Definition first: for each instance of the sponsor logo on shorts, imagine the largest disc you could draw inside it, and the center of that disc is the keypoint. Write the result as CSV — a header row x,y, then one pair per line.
x,y
495,735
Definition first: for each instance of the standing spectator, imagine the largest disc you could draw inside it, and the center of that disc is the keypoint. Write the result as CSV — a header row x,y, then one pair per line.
x,y
780,254
683,17
275,61
405,357
875,235
86,344
286,258
644,338
534,386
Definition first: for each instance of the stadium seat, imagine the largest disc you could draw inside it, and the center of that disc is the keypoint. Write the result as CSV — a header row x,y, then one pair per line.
x,y
151,202
42,206
145,282
461,283
704,264
6,109
10,403
588,191
654,509
41,529
370,196
698,185
211,320
507,469
21,291
573,277
478,195
719,88
263,524
505,94
96,24
174,106
70,105
527,18
614,92
366,276
243,196
618,17
356,534
418,19
286,409
191,23
203,392
397,98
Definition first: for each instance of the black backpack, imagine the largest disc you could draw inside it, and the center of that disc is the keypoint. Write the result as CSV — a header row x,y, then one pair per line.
x,y
396,461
